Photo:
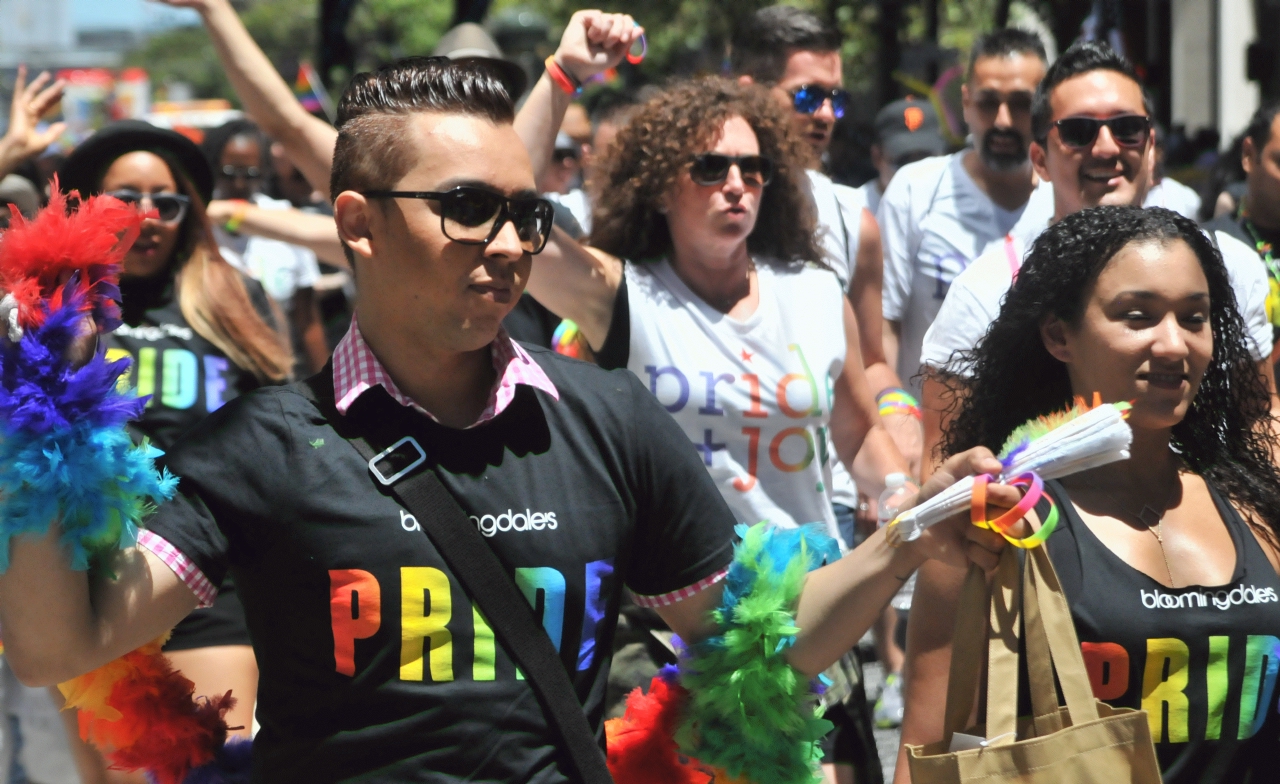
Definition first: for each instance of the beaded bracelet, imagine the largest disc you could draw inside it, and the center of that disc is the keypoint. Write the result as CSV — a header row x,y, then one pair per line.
x,y
563,79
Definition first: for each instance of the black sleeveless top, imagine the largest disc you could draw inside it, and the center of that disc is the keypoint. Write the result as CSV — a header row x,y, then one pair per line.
x,y
1202,661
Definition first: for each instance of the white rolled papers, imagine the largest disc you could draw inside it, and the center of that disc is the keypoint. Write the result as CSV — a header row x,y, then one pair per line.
x,y
1094,438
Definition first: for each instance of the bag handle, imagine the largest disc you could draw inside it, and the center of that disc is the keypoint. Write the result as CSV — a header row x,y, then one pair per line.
x,y
966,652
474,564
986,617
1052,622
1003,648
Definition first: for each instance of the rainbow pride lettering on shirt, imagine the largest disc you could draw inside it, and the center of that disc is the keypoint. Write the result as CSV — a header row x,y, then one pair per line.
x,y
790,449
1173,671
172,376
428,606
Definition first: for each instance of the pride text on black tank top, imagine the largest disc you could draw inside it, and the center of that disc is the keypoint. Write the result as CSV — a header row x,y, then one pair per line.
x,y
1201,661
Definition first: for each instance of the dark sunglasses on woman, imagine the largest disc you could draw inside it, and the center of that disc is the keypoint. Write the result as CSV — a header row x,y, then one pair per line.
x,y
808,98
1129,130
474,216
712,168
172,207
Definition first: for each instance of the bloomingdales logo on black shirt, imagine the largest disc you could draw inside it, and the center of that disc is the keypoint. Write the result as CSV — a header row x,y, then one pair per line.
x,y
512,520
1223,599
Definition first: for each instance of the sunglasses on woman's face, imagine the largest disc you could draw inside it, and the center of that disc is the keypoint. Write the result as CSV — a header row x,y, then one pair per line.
x,y
712,168
1129,130
474,216
808,98
172,207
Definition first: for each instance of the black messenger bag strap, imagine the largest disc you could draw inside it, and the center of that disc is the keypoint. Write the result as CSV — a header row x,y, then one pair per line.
x,y
475,565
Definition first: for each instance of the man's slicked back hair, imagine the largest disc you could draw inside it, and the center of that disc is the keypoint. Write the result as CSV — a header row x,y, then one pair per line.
x,y
768,37
1006,42
1082,57
373,151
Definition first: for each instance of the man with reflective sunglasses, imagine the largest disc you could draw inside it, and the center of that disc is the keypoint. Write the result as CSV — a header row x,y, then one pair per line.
x,y
798,56
1095,146
938,215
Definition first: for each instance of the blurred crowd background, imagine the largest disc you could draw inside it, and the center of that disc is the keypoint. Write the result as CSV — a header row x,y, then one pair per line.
x,y
1203,62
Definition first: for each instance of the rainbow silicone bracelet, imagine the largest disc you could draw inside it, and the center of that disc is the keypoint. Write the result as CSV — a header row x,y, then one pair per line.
x,y
563,79
898,401
636,59
1034,492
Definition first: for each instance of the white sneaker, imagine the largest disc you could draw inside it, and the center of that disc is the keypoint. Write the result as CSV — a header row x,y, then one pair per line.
x,y
889,708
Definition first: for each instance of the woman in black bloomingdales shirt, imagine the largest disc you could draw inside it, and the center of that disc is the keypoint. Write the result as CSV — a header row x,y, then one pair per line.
x,y
198,333
1168,559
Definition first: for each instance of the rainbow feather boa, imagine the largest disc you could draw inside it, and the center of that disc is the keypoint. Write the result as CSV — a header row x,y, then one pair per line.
x,y
735,710
66,455
64,451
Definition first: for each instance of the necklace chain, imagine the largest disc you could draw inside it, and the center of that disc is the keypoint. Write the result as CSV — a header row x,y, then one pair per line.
x,y
1145,516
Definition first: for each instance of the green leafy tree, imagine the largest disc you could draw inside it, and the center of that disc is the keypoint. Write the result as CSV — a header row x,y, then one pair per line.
x,y
285,29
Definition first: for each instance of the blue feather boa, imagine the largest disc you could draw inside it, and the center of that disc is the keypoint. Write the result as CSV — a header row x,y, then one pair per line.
x,y
64,452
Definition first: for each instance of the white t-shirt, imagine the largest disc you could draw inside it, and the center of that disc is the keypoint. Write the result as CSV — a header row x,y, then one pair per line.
x,y
281,268
578,203
1173,195
976,295
872,194
934,221
839,223
753,396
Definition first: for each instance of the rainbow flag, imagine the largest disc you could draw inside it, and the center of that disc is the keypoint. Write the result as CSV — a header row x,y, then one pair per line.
x,y
310,91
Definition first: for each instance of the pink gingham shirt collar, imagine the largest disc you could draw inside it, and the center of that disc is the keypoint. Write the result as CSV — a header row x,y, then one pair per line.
x,y
356,370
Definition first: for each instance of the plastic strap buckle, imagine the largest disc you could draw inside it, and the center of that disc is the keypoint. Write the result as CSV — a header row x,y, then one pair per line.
x,y
417,461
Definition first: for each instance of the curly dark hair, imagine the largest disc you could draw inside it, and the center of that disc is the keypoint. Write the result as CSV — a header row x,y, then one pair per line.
x,y
1225,436
659,144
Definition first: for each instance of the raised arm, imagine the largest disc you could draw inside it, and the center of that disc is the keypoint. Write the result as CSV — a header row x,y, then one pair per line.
x,y
30,102
266,97
570,280
592,43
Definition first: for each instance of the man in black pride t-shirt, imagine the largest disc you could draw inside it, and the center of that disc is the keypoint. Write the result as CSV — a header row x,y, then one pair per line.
x,y
374,664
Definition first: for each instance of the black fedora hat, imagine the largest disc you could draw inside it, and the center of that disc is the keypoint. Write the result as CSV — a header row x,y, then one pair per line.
x,y
468,42
83,169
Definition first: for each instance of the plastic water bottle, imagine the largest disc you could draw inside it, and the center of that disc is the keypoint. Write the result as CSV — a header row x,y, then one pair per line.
x,y
896,492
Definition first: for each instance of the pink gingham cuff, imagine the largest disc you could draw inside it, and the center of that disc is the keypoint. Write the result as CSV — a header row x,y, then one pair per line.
x,y
668,599
181,565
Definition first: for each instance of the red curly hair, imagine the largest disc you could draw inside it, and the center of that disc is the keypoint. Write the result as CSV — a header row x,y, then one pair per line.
x,y
657,147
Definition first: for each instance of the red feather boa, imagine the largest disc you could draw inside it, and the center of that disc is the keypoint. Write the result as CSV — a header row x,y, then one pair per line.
x,y
143,715
92,240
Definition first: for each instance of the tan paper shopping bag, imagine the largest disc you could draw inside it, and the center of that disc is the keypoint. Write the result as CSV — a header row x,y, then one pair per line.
x,y
1083,741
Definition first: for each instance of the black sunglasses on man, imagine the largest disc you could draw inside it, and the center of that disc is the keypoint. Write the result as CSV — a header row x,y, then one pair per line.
x,y
474,216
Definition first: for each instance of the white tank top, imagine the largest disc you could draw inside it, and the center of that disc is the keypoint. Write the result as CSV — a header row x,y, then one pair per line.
x,y
753,396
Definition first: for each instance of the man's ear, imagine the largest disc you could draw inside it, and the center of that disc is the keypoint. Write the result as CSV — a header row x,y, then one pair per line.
x,y
745,80
1053,333
1246,155
353,214
1039,160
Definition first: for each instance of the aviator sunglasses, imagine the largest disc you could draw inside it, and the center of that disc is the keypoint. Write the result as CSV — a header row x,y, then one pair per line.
x,y
172,207
1129,130
808,98
712,168
474,216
